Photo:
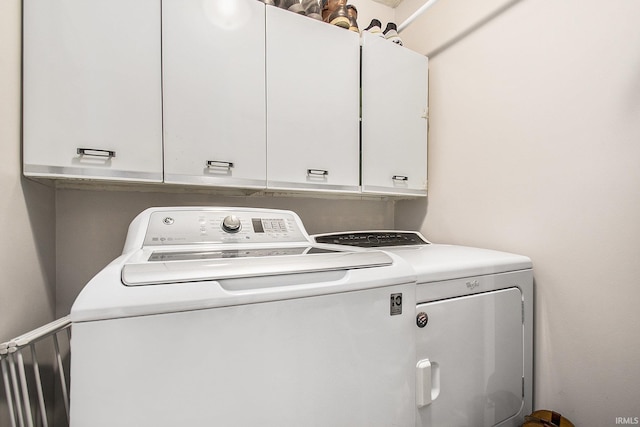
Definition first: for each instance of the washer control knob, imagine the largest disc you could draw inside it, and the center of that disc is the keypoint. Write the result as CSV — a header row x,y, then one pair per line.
x,y
422,319
231,224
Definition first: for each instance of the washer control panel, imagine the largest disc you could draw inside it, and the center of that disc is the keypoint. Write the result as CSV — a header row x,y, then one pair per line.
x,y
182,227
373,239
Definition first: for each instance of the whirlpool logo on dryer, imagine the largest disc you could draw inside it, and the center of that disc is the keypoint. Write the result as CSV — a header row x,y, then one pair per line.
x,y
472,284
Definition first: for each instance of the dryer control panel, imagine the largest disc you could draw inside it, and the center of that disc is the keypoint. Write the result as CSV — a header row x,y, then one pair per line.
x,y
373,239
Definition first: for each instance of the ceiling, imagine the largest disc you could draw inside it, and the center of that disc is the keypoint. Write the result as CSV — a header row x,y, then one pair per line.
x,y
390,3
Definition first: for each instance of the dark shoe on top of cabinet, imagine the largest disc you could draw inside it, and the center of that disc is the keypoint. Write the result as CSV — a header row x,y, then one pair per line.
x,y
375,28
391,33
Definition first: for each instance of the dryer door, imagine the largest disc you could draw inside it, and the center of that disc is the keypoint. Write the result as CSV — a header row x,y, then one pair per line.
x,y
470,360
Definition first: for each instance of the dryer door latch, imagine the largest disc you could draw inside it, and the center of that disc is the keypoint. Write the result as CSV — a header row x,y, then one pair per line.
x,y
427,382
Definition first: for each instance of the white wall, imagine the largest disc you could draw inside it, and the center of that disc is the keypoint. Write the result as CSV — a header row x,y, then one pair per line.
x,y
27,258
535,149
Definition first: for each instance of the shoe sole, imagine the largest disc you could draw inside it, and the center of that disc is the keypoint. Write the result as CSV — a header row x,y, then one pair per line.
x,y
341,21
375,31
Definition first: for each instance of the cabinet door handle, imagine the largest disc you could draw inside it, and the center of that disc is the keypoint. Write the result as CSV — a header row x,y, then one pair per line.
x,y
317,172
95,152
400,178
219,164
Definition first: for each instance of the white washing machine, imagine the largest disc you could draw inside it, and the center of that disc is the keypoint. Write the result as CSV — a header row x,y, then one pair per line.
x,y
234,317
474,329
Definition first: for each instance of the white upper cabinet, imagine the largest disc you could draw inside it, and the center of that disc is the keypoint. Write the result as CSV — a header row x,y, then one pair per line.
x,y
394,118
214,92
312,104
92,89
219,94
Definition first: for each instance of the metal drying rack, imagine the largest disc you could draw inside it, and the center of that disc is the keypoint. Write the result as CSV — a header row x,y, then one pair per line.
x,y
24,389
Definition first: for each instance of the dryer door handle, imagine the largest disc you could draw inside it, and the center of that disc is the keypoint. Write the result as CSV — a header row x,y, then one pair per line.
x,y
427,382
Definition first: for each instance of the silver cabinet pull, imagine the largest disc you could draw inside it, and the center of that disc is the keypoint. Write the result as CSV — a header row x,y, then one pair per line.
x,y
219,164
400,178
317,172
96,152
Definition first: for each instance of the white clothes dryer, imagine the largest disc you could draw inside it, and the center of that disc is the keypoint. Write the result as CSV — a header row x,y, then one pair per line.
x,y
235,317
474,329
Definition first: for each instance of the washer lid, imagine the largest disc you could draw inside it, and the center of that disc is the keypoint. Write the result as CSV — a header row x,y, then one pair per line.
x,y
158,273
174,286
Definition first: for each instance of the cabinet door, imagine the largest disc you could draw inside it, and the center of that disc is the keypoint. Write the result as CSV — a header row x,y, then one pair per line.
x,y
394,112
92,91
214,92
312,104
